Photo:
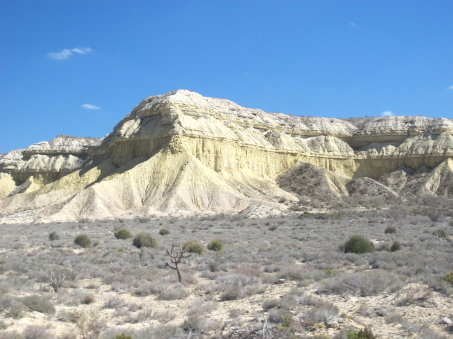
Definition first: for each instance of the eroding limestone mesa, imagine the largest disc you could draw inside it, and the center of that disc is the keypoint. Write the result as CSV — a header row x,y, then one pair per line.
x,y
183,151
43,162
224,135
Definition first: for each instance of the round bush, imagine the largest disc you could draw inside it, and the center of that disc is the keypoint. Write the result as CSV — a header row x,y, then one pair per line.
x,y
164,231
395,246
215,245
54,236
144,239
82,240
390,229
123,233
193,247
358,244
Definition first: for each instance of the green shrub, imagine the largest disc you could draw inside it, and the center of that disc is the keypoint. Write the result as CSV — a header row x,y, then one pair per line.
x,y
54,236
164,231
365,333
440,233
82,240
144,239
123,336
272,228
39,304
123,233
357,244
396,246
390,229
449,278
215,245
193,247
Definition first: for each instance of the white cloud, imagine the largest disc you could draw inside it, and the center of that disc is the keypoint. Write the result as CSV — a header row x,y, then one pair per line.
x,y
450,87
83,50
88,106
353,25
66,53
387,114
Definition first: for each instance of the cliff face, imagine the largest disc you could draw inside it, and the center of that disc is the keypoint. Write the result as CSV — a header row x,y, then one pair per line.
x,y
183,151
42,163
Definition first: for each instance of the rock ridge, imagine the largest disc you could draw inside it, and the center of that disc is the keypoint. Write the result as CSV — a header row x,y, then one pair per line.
x,y
182,151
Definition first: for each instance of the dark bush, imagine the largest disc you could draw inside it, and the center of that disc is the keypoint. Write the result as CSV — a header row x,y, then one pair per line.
x,y
164,231
357,244
144,239
193,247
123,233
390,229
396,246
215,245
82,240
440,233
449,278
54,236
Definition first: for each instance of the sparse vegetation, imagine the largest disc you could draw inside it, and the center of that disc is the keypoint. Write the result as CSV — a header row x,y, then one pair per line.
x,y
253,266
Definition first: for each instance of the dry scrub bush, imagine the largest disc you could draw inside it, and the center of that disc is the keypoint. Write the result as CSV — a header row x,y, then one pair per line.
x,y
362,284
390,230
440,233
215,245
82,240
357,244
164,231
39,304
37,332
193,247
123,234
172,293
144,239
89,324
53,236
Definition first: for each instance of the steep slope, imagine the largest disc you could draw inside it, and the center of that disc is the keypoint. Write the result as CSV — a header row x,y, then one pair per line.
x,y
181,151
437,181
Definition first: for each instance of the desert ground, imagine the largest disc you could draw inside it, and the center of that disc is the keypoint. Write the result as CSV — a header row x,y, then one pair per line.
x,y
280,277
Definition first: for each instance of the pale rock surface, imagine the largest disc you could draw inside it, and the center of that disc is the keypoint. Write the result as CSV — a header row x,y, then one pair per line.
x,y
259,212
437,181
181,151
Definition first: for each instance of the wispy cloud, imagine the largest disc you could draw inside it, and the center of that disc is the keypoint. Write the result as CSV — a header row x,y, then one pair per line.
x,y
88,106
450,87
387,114
66,53
352,24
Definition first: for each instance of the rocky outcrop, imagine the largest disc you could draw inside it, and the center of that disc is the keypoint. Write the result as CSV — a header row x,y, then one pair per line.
x,y
183,151
42,163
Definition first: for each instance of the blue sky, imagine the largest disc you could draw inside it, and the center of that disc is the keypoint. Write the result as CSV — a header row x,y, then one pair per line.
x,y
78,67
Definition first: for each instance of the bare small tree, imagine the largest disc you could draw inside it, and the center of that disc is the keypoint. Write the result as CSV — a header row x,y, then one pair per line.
x,y
176,254
56,277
